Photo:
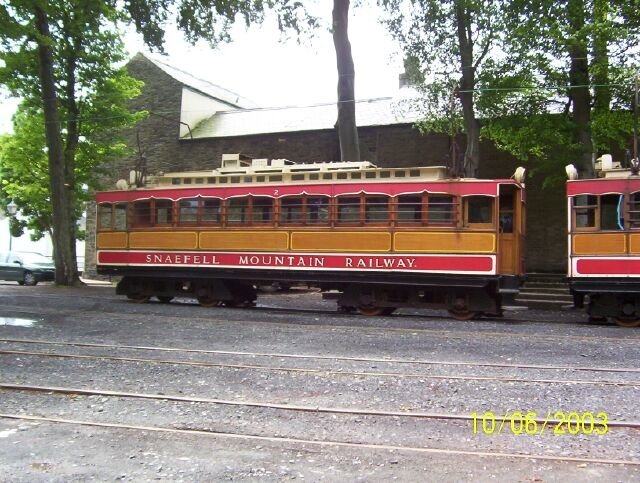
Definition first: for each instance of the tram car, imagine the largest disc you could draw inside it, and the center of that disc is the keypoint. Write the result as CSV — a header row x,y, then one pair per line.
x,y
374,238
604,242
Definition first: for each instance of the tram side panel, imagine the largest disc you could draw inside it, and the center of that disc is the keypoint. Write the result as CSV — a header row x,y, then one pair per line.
x,y
604,247
171,259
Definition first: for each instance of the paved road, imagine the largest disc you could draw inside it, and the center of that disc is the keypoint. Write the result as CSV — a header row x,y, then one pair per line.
x,y
97,387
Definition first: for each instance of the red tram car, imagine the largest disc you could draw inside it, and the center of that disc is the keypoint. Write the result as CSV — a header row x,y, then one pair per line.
x,y
604,242
377,238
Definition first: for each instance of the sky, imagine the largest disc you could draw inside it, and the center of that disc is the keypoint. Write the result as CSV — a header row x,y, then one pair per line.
x,y
271,71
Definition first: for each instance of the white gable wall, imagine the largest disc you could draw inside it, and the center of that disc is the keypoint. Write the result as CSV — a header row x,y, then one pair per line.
x,y
195,108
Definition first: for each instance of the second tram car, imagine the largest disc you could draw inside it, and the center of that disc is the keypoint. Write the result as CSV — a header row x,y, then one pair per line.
x,y
376,238
604,242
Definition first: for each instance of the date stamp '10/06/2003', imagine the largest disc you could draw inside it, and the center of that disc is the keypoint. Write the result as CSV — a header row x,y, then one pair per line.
x,y
558,422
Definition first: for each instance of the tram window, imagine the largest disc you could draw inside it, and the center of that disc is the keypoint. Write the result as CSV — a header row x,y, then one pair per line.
x,y
348,210
611,212
317,211
314,176
356,175
291,210
105,214
409,209
341,175
297,177
414,173
370,174
164,212
479,210
262,210
400,174
584,209
385,174
186,181
237,211
327,175
210,212
441,209
376,209
634,211
175,180
188,212
120,217
142,213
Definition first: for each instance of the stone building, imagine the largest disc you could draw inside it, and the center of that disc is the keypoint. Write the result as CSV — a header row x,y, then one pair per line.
x,y
192,122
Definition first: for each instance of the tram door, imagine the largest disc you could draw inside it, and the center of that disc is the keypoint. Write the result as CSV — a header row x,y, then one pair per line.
x,y
510,213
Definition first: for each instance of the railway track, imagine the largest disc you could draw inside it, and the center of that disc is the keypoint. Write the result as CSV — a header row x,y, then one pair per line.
x,y
293,356
360,324
303,443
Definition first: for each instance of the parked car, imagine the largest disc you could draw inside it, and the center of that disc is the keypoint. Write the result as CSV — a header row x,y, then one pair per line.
x,y
26,268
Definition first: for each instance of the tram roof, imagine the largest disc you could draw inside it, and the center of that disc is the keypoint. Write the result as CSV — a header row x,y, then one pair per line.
x,y
457,187
600,186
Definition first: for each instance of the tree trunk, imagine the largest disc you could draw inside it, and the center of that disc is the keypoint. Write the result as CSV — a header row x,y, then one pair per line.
x,y
602,91
467,85
347,129
63,239
579,85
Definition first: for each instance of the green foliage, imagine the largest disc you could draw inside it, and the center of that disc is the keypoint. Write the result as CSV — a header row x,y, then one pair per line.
x,y
92,97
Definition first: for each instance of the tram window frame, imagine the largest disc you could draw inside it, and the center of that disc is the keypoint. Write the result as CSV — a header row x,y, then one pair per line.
x,y
589,212
163,212
348,212
193,217
372,209
116,219
141,214
479,211
261,210
610,215
438,201
305,210
105,216
411,201
633,208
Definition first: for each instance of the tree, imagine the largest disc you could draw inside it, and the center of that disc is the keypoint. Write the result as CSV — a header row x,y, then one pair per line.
x,y
59,59
347,128
48,47
574,57
446,44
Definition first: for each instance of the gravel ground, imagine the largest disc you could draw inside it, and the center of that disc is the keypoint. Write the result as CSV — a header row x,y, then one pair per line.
x,y
296,350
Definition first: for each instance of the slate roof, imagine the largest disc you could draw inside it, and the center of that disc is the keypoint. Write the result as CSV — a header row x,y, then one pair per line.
x,y
204,87
371,112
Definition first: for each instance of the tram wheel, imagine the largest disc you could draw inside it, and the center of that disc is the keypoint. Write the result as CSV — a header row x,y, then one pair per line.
x,y
138,298
371,310
165,299
628,321
462,314
207,301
